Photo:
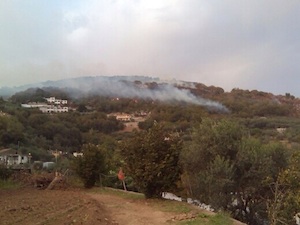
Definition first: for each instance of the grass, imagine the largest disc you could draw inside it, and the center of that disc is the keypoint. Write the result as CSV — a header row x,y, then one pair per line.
x,y
170,206
8,185
205,219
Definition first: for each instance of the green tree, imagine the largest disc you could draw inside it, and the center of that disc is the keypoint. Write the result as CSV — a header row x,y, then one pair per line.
x,y
230,170
90,165
209,156
11,131
285,201
151,158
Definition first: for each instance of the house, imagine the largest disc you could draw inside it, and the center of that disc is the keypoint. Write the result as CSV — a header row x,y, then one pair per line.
x,y
54,109
53,100
13,159
77,154
281,130
34,105
53,105
123,117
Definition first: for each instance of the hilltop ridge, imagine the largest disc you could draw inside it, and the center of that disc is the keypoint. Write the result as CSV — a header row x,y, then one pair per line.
x,y
149,88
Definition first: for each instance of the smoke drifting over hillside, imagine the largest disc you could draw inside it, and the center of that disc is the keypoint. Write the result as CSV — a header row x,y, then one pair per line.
x,y
137,87
130,87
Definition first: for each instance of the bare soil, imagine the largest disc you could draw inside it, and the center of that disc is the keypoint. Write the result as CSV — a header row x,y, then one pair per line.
x,y
65,207
132,211
54,207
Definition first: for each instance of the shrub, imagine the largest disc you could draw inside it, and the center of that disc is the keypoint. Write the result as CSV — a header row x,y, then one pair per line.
x,y
5,173
90,165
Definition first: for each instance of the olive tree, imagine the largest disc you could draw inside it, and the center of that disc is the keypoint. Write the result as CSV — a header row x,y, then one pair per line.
x,y
90,165
226,168
151,159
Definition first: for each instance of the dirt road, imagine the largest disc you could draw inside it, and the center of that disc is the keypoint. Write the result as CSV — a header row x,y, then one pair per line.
x,y
56,207
133,212
42,207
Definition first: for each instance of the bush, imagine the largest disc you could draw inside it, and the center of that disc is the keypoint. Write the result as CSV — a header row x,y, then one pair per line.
x,y
90,165
5,173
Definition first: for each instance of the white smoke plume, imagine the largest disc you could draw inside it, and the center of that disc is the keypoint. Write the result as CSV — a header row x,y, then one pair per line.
x,y
136,87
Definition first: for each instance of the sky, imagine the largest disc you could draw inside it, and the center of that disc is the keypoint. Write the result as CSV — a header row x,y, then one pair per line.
x,y
252,45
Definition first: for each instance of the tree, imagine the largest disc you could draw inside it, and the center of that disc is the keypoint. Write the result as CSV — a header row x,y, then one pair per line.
x,y
230,170
82,108
208,160
90,165
285,201
11,131
151,158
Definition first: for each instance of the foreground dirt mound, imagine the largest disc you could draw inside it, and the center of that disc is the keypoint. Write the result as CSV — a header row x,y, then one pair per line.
x,y
41,207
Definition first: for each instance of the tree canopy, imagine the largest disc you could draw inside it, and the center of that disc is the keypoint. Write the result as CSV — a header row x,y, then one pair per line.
x,y
230,170
151,158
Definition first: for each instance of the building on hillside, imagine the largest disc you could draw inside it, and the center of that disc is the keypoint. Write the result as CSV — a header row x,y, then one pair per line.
x,y
53,105
123,117
34,105
54,109
53,100
281,130
77,154
12,157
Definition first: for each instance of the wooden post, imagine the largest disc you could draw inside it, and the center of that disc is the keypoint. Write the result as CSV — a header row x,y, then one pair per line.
x,y
124,185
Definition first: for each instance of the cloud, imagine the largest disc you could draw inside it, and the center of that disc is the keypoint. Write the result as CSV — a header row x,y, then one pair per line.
x,y
228,43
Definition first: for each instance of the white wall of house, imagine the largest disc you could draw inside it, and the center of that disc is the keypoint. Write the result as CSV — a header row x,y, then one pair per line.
x,y
13,159
56,101
123,117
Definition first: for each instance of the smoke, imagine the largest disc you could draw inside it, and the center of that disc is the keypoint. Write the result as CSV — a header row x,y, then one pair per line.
x,y
137,87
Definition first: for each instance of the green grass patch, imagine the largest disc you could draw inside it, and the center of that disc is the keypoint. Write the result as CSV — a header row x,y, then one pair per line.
x,y
9,184
205,219
220,219
170,206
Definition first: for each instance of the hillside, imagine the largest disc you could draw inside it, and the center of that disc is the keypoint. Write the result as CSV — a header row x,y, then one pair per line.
x,y
213,145
244,103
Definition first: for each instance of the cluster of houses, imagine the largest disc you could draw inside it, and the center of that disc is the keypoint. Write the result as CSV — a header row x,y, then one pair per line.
x,y
53,105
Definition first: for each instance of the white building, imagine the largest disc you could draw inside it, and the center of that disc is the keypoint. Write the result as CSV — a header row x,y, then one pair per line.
x,y
55,101
123,117
77,154
13,159
53,105
54,109
34,105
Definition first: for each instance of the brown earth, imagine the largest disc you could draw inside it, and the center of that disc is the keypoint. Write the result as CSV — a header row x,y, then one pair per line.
x,y
43,207
54,207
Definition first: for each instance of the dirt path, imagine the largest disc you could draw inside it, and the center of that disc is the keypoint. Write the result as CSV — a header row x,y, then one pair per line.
x,y
41,207
133,212
56,207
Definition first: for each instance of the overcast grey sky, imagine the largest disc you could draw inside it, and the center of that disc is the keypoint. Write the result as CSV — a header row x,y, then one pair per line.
x,y
253,44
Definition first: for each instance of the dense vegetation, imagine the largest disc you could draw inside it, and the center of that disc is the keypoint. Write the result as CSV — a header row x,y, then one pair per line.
x,y
239,162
